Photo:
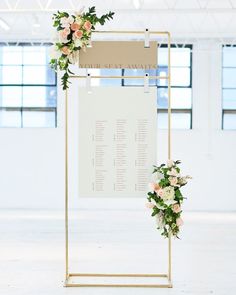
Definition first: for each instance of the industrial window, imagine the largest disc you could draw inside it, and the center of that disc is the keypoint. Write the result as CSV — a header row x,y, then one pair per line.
x,y
229,87
181,86
28,87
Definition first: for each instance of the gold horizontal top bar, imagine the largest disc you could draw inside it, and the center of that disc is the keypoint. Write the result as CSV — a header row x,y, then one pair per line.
x,y
133,32
122,77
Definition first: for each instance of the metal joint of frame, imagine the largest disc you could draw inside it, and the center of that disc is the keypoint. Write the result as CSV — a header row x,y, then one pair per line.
x,y
69,276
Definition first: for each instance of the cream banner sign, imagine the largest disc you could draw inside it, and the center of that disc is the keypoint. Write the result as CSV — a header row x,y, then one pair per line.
x,y
119,54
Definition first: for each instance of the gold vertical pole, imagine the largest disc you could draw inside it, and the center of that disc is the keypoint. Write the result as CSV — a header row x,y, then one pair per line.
x,y
169,144
66,184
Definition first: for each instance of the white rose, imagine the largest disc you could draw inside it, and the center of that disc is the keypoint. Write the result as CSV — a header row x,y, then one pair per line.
x,y
74,57
170,202
66,21
70,20
168,193
54,52
77,42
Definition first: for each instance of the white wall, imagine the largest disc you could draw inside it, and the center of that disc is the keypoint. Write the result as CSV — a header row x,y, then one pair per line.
x,y
32,160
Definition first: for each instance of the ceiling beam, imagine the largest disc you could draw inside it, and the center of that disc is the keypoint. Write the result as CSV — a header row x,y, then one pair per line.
x,y
138,11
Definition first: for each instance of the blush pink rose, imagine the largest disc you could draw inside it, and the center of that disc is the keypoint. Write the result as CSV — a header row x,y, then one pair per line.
x,y
160,192
150,205
87,25
78,34
154,186
75,27
179,221
66,31
65,50
63,34
176,208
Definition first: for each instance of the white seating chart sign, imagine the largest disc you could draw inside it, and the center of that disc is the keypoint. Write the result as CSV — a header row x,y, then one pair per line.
x,y
117,141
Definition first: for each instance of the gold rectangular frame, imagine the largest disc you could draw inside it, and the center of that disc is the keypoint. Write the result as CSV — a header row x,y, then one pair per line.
x,y
69,275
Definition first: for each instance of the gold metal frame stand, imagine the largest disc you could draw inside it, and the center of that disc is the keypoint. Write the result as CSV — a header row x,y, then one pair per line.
x,y
69,276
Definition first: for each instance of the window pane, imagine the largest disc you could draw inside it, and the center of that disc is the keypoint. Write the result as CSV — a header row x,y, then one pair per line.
x,y
38,75
180,98
229,56
11,96
178,120
180,76
229,121
11,55
229,98
34,55
11,74
229,77
9,118
180,57
105,72
38,118
111,72
162,56
37,96
162,98
139,72
163,72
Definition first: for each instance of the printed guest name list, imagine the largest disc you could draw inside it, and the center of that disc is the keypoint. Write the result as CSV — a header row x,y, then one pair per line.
x,y
117,141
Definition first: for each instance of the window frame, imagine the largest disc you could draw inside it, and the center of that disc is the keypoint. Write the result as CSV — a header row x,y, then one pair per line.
x,y
226,110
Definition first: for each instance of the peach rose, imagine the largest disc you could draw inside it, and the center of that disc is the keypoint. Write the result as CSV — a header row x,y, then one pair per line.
x,y
87,25
160,192
150,205
179,221
154,186
78,34
176,208
173,181
75,27
65,50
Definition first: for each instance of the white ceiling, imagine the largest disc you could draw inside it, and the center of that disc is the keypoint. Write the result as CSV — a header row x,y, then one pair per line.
x,y
183,18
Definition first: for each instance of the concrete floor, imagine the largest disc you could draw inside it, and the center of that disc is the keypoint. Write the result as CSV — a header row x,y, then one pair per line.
x,y
32,251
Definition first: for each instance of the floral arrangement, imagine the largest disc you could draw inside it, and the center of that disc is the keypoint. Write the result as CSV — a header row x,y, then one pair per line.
x,y
73,33
165,198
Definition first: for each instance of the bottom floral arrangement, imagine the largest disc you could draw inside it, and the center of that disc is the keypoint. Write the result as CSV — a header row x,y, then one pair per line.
x,y
165,197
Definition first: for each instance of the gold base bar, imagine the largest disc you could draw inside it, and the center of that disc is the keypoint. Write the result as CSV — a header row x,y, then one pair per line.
x,y
115,285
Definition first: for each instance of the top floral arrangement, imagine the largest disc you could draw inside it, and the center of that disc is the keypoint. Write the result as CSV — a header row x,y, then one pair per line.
x,y
73,33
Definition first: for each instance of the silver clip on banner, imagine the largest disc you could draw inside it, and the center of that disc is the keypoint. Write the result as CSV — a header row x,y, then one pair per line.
x,y
146,83
88,83
146,39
